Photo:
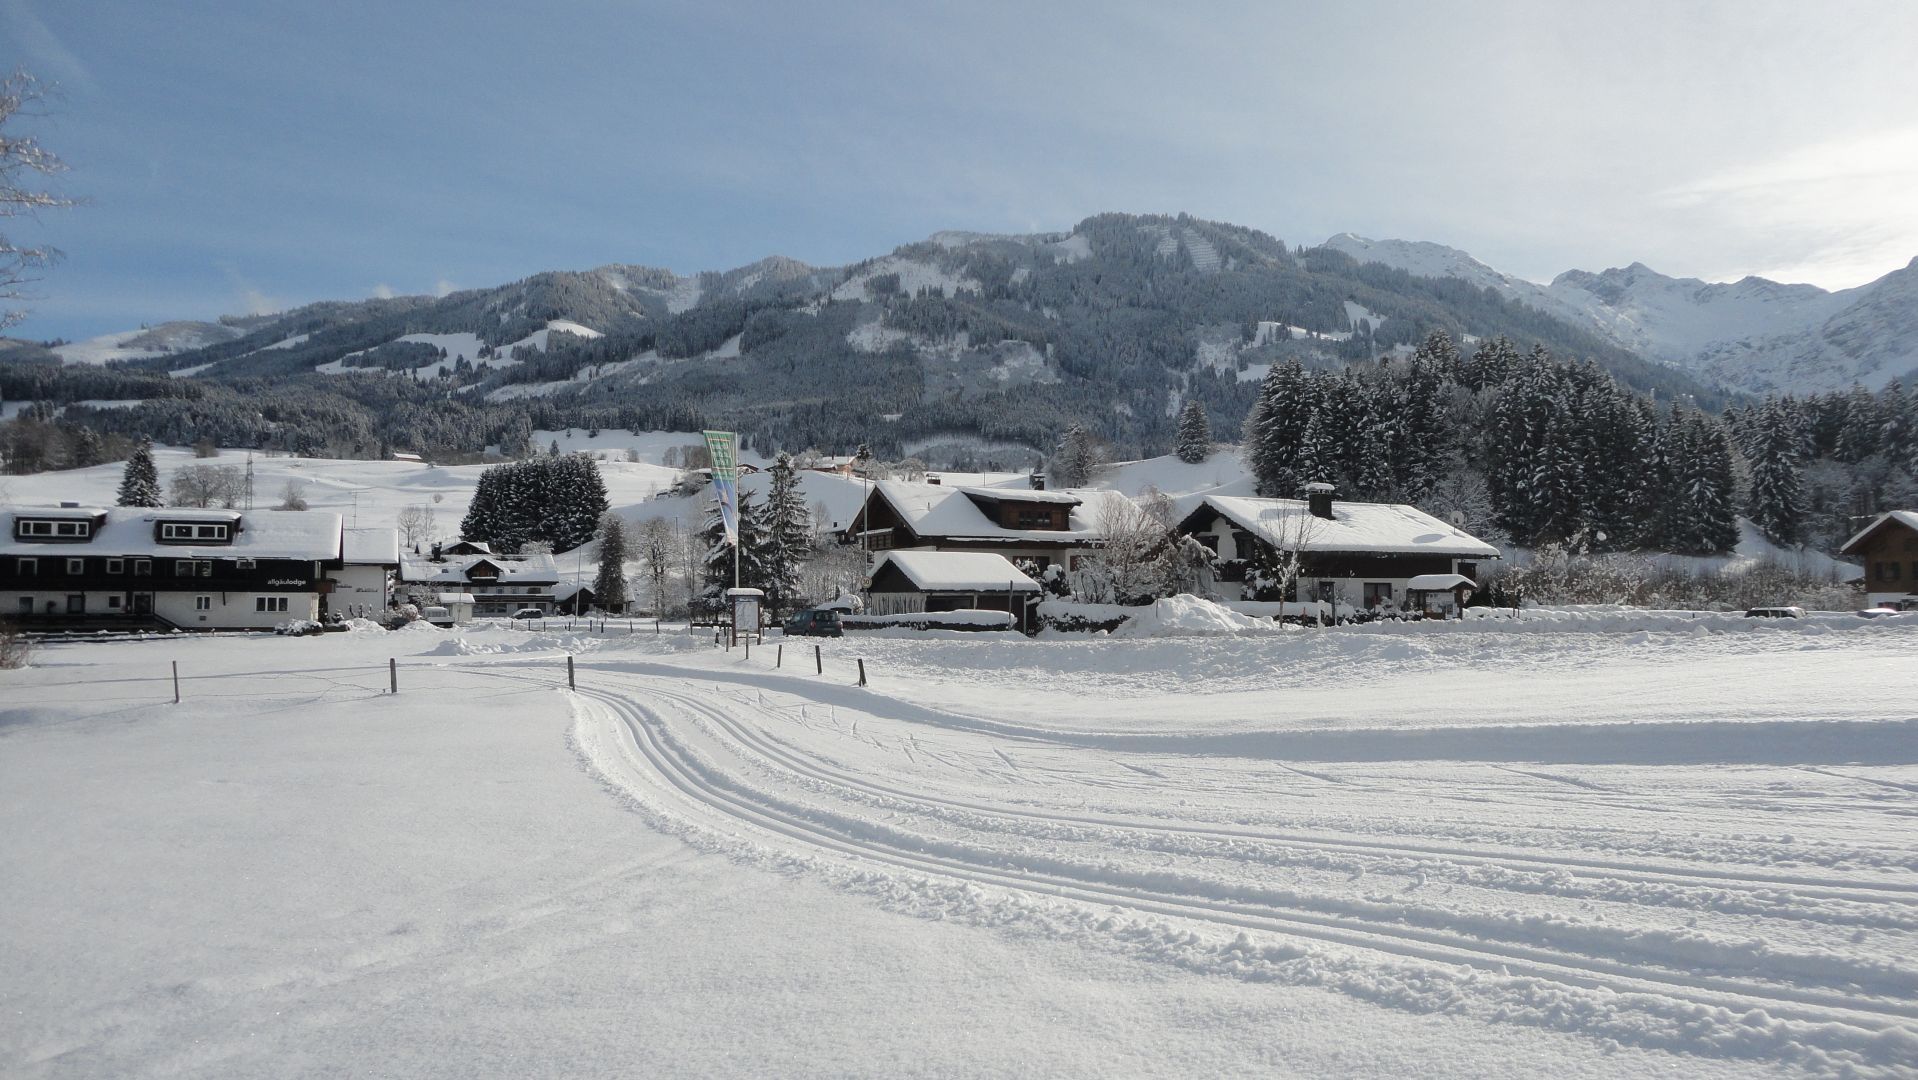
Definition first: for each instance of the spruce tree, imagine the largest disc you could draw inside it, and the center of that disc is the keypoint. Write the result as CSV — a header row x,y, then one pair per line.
x,y
1275,428
610,584
140,483
1072,466
788,533
1195,433
1777,503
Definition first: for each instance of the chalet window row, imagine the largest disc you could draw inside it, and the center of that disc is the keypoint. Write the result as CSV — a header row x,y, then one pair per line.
x,y
29,529
1891,571
180,532
269,603
29,565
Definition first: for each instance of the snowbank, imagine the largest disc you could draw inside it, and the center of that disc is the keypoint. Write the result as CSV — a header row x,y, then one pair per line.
x,y
963,619
1189,616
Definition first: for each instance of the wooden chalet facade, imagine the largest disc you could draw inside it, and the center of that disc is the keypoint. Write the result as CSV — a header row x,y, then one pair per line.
x,y
74,567
500,585
1045,527
1888,550
1364,556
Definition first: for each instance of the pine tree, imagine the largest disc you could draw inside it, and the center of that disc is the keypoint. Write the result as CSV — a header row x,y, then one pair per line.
x,y
1703,518
610,584
87,449
788,537
1858,438
1195,433
140,483
718,573
1072,466
1777,503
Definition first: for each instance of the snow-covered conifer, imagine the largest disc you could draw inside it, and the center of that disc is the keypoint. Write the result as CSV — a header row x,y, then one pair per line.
x,y
609,586
1195,433
140,483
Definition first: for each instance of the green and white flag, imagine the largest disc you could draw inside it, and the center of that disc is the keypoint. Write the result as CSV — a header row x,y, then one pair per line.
x,y
721,445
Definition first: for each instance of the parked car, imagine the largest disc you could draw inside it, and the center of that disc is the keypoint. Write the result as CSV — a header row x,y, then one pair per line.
x,y
438,616
1882,613
812,622
1775,613
529,613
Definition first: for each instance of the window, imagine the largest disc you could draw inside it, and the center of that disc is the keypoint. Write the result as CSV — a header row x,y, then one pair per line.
x,y
183,568
72,529
113,602
206,568
203,603
76,566
50,530
143,568
26,529
1378,593
1891,571
116,566
269,603
29,566
1035,518
244,564
26,605
180,532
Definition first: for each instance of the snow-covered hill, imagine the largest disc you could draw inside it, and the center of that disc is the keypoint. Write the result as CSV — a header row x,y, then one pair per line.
x,y
1753,334
168,337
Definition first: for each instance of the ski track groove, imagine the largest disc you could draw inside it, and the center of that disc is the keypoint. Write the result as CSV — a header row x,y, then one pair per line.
x,y
1401,941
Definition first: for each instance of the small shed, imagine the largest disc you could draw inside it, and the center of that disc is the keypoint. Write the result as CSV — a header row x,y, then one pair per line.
x,y
1438,596
457,604
913,581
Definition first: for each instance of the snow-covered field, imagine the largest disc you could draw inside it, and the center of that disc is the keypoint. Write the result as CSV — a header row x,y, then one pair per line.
x,y
1618,845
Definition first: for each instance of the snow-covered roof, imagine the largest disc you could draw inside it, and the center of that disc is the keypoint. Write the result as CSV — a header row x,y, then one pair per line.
x,y
370,547
128,530
959,571
513,569
565,590
455,598
1433,582
935,510
1367,528
1907,518
1027,494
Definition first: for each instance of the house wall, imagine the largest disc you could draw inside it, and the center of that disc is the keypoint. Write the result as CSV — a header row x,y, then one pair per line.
x,y
1341,577
359,590
233,591
1890,558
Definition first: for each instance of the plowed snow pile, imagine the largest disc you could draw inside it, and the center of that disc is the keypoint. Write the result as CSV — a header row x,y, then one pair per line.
x,y
1190,616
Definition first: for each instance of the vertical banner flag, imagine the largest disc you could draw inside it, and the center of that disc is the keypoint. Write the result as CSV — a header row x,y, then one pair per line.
x,y
720,444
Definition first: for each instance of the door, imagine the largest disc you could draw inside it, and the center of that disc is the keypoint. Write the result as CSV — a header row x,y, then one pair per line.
x,y
26,605
76,603
143,603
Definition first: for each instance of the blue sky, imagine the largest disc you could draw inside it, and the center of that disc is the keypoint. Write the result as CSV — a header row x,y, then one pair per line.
x,y
249,156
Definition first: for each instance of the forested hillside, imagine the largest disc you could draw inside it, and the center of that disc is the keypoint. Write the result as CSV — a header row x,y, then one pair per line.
x,y
993,339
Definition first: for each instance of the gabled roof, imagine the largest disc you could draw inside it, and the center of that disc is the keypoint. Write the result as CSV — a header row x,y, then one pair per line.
x,y
1362,528
935,511
129,530
958,571
513,569
1026,495
1907,518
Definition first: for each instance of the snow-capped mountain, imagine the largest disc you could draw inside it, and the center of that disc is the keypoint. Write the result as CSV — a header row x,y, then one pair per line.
x,y
1755,335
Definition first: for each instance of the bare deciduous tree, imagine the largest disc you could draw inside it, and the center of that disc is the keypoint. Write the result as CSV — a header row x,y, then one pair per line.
x,y
22,158
416,524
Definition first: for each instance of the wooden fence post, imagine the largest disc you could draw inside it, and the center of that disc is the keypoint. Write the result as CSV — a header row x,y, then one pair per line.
x,y
393,673
862,672
819,665
779,654
176,682
570,684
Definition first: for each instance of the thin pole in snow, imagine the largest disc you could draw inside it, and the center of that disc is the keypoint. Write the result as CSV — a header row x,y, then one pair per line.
x,y
862,672
779,654
393,673
570,684
176,682
818,663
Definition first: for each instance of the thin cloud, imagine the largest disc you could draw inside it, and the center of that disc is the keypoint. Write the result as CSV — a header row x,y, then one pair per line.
x,y
1838,213
43,48
443,287
383,291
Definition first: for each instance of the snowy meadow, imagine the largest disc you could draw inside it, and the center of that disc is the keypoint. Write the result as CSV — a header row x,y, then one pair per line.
x,y
1602,844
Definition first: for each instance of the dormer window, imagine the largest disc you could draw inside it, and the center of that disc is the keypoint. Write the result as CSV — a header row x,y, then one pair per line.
x,y
44,529
184,533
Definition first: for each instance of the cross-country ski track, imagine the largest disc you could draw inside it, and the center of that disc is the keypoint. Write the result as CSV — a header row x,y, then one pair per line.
x,y
937,819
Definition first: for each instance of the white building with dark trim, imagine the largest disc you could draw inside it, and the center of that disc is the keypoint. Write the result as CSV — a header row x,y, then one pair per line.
x,y
1361,555
76,567
500,585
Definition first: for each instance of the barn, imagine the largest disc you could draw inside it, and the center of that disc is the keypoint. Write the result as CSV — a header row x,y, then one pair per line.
x,y
913,581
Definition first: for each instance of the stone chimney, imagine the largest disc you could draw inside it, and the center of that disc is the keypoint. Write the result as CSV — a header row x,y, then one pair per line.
x,y
1319,498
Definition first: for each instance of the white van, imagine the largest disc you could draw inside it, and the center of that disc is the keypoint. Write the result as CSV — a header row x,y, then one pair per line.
x,y
438,616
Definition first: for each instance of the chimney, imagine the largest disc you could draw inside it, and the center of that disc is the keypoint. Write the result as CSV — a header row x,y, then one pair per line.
x,y
1319,498
1037,481
930,479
